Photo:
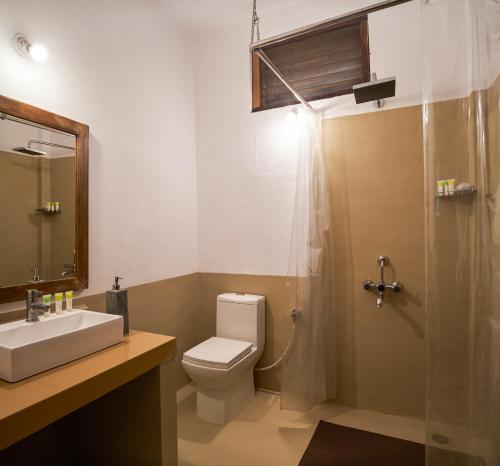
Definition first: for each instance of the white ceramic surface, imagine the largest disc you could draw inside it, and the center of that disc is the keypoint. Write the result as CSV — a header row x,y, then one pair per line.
x,y
27,348
222,366
218,352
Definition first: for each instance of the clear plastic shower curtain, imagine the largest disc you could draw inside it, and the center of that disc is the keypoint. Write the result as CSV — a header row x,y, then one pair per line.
x,y
461,129
309,375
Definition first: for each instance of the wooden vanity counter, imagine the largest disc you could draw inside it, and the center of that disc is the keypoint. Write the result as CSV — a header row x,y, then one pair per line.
x,y
34,403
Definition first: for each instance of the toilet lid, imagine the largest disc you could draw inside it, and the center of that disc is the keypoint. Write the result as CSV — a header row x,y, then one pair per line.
x,y
218,352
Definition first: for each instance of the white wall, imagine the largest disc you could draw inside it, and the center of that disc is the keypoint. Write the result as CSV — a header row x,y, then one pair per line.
x,y
127,70
246,162
462,44
163,111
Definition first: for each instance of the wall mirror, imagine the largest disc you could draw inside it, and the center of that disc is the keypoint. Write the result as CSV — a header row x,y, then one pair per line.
x,y
44,208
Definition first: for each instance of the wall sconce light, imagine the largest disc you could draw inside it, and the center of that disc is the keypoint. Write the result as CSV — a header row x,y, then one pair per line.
x,y
26,49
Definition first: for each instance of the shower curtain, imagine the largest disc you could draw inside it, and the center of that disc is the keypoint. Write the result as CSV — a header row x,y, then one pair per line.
x,y
309,375
461,132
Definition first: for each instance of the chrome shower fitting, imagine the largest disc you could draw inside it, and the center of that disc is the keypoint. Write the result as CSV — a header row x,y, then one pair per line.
x,y
30,151
381,286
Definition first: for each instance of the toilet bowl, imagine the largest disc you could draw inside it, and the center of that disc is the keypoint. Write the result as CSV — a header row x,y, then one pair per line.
x,y
222,366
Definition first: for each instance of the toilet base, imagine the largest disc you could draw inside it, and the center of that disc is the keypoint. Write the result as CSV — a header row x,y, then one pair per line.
x,y
220,406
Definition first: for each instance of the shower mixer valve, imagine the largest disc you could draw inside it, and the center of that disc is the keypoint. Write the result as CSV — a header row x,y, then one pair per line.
x,y
381,286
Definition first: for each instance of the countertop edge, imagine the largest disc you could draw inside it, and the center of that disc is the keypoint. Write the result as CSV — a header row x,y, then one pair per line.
x,y
40,414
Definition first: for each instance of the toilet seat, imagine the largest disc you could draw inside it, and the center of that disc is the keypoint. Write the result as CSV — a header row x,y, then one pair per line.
x,y
218,352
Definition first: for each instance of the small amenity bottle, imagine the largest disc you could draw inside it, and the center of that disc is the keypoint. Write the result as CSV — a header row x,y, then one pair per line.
x,y
59,300
117,303
69,300
440,185
451,185
47,298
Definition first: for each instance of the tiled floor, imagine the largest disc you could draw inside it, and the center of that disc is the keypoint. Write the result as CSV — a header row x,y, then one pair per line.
x,y
263,435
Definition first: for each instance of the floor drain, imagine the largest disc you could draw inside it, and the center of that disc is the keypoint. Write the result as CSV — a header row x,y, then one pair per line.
x,y
441,439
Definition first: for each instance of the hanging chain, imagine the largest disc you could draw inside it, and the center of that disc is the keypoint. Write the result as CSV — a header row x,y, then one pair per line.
x,y
255,23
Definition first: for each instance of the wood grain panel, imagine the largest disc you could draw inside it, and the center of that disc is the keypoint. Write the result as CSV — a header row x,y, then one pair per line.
x,y
256,82
318,65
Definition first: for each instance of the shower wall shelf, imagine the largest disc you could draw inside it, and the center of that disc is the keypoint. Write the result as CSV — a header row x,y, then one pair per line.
x,y
49,212
458,193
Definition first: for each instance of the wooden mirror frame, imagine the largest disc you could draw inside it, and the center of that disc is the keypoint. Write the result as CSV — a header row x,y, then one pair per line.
x,y
81,132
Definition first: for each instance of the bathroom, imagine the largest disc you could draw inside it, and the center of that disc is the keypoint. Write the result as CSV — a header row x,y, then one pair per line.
x,y
163,164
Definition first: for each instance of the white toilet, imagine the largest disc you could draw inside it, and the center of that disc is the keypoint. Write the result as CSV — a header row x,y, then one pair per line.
x,y
222,366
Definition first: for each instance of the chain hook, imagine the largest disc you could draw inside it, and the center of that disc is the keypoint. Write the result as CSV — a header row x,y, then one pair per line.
x,y
255,23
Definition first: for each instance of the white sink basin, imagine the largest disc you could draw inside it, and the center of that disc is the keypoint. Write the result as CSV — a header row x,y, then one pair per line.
x,y
27,348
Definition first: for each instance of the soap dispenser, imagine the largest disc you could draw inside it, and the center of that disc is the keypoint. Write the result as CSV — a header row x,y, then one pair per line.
x,y
117,303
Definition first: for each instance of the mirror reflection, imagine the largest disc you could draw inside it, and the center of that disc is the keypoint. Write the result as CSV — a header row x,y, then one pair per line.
x,y
37,212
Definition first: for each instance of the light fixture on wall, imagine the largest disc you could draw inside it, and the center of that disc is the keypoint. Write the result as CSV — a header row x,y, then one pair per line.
x,y
26,49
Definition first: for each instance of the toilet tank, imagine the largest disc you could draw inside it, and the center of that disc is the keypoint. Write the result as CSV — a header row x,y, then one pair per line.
x,y
241,317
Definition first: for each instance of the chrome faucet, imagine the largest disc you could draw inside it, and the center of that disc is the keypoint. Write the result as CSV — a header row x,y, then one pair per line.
x,y
36,274
71,270
381,286
33,306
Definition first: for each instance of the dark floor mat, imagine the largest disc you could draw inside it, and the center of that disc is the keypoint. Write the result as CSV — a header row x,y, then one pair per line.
x,y
334,445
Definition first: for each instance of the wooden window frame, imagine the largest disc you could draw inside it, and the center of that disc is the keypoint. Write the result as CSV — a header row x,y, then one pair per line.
x,y
257,63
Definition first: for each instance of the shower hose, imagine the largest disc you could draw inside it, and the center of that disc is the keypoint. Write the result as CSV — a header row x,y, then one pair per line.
x,y
294,314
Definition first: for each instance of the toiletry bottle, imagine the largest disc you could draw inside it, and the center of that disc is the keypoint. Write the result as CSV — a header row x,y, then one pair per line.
x,y
69,300
47,298
59,299
440,185
117,303
451,185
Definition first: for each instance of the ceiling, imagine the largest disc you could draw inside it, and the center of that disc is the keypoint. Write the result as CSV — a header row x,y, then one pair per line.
x,y
199,16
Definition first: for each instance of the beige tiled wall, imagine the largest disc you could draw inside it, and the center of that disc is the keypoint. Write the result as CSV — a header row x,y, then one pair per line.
x,y
28,238
19,222
493,119
464,244
62,226
375,169
168,307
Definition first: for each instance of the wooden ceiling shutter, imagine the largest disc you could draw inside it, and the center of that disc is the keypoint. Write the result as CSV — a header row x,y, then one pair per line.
x,y
318,65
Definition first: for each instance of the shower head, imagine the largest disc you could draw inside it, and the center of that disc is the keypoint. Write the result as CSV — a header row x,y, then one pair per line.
x,y
377,89
29,151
